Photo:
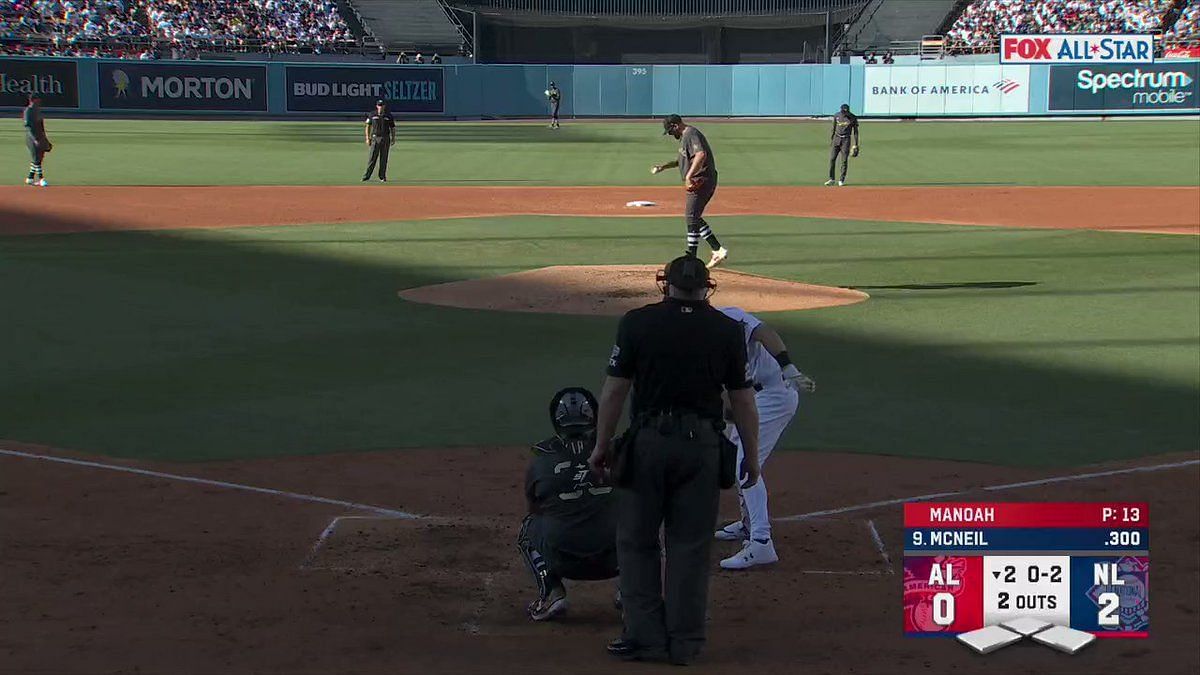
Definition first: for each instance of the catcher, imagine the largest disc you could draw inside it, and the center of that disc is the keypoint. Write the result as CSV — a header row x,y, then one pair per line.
x,y
845,125
698,167
571,529
36,141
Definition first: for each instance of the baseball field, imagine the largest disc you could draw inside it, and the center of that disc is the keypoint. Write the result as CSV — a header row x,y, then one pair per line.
x,y
261,417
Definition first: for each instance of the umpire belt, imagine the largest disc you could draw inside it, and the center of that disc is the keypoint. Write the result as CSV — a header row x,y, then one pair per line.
x,y
678,423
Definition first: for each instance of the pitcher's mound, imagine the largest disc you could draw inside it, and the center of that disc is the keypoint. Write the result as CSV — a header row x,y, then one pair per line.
x,y
616,289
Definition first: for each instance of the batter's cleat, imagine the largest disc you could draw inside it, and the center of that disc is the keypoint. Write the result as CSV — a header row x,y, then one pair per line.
x,y
829,182
718,257
550,606
735,531
42,183
841,183
752,554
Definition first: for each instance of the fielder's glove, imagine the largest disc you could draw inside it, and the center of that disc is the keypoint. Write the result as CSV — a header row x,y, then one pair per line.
x,y
694,185
798,381
854,151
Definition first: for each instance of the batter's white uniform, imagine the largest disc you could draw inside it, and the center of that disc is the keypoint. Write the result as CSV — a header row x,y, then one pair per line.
x,y
777,404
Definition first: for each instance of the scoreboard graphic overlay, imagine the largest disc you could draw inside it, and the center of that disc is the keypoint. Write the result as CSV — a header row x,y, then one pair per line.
x,y
1081,565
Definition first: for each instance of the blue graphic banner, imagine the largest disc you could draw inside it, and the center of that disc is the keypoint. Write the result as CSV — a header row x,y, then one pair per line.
x,y
419,89
176,85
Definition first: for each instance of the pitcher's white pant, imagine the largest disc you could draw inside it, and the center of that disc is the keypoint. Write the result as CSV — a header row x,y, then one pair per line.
x,y
776,407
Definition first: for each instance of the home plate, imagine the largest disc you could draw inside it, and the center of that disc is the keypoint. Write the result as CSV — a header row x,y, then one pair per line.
x,y
640,204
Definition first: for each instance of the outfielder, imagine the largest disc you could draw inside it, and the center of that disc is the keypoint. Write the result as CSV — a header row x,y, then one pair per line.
x,y
571,529
36,141
845,125
777,385
698,167
555,98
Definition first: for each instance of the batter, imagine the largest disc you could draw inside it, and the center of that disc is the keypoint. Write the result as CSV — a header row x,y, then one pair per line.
x,y
777,385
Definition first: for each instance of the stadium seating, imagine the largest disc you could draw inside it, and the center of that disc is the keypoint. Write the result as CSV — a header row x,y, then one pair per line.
x,y
983,21
132,27
413,25
1186,28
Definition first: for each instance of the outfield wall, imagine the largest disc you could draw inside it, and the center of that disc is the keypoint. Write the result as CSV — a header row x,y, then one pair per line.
x,y
485,91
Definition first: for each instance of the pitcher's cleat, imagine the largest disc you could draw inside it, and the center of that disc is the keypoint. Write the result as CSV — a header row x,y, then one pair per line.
x,y
718,257
841,183
829,182
752,554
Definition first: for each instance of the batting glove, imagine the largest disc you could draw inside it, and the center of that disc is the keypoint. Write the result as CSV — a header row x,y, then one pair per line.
x,y
798,381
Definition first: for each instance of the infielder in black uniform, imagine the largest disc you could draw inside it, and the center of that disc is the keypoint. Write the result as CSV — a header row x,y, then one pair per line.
x,y
698,168
571,529
845,126
381,136
555,97
36,141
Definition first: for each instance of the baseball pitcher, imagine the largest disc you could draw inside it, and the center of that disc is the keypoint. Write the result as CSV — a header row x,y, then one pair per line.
x,y
777,386
571,529
698,168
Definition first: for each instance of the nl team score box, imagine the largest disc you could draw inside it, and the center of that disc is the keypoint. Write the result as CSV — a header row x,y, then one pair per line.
x,y
1081,565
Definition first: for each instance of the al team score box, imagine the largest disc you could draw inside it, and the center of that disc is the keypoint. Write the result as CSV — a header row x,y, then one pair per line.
x,y
1081,565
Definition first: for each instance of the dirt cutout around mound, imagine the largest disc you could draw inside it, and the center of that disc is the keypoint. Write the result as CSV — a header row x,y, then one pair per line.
x,y
616,289
24,210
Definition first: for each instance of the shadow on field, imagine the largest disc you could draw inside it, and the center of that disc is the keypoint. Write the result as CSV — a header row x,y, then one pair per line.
x,y
211,344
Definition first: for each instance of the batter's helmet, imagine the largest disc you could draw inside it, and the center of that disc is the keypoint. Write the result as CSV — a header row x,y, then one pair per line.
x,y
573,412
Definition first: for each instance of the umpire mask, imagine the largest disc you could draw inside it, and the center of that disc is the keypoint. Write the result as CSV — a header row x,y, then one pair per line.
x,y
573,413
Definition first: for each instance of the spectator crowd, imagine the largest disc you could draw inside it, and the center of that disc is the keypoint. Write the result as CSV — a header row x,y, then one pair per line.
x,y
128,27
983,21
1186,28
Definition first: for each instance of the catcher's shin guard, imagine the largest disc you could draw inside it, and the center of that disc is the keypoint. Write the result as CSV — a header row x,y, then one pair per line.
x,y
533,559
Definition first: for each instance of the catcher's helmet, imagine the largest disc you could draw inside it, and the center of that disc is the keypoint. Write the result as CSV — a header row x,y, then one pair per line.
x,y
573,412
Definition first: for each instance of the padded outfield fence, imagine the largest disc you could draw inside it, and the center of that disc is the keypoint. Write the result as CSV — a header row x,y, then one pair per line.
x,y
122,87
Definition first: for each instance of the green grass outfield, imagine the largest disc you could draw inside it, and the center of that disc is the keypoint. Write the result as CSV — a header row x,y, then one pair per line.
x,y
181,152
1035,347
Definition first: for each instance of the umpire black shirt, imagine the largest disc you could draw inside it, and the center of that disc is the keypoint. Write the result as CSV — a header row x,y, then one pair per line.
x,y
680,355
381,124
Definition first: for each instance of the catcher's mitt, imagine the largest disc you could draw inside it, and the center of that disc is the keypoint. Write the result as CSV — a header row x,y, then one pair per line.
x,y
854,151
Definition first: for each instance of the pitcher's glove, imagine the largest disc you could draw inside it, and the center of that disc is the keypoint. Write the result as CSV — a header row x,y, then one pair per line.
x,y
854,151
798,381
694,185
47,146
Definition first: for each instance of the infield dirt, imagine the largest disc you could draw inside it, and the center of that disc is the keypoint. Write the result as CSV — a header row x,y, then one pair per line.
x,y
1170,210
113,572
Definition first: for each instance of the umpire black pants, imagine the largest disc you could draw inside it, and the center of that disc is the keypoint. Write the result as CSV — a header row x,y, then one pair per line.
x,y
380,147
840,146
673,483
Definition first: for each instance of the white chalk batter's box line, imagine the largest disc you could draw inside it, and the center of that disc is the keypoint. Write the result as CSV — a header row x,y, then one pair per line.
x,y
388,513
886,568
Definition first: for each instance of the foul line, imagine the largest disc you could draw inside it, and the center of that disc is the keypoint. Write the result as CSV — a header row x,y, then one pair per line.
x,y
887,560
390,513
990,488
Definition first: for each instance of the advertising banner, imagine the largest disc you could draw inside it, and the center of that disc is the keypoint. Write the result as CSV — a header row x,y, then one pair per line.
x,y
174,85
1181,53
946,90
1162,86
345,90
1077,49
57,82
